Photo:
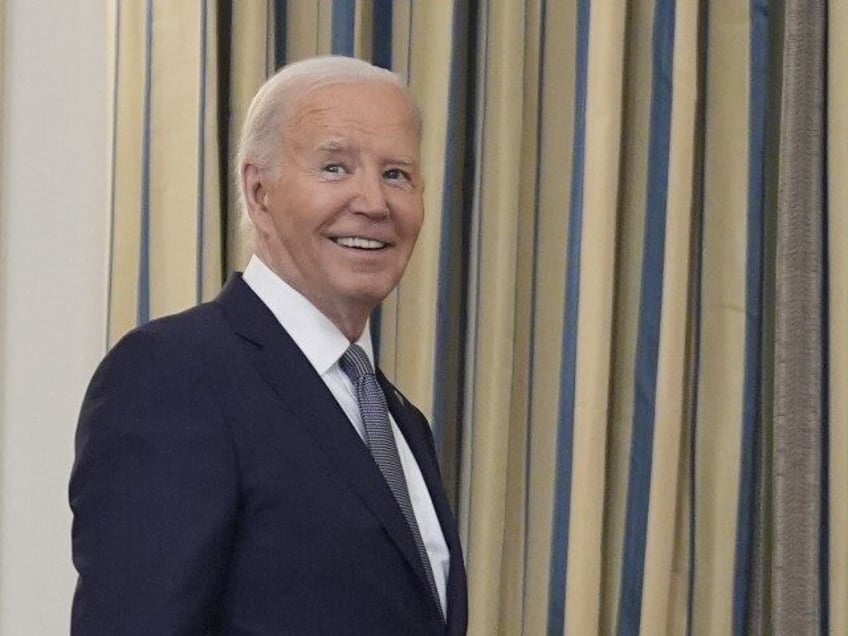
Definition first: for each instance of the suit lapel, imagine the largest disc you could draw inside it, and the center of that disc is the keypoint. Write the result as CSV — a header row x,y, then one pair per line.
x,y
420,443
285,368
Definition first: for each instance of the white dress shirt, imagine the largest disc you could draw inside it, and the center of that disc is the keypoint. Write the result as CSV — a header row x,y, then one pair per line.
x,y
323,344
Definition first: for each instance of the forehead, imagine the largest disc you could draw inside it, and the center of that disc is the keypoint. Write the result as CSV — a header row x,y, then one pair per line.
x,y
379,112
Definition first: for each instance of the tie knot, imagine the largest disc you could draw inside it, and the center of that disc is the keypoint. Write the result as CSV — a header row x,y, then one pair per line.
x,y
354,362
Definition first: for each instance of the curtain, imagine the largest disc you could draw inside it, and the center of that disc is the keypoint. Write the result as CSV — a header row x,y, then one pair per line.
x,y
2,80
625,316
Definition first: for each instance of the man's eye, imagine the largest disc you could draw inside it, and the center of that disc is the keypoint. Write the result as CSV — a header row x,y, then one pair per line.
x,y
334,168
394,174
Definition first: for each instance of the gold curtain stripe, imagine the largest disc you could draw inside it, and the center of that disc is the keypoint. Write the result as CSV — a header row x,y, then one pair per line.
x,y
129,132
363,29
495,244
173,158
415,312
837,127
302,29
513,566
638,62
401,35
595,312
554,192
212,262
664,598
324,27
248,53
722,353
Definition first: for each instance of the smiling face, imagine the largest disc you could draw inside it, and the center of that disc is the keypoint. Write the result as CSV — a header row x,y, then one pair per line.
x,y
339,214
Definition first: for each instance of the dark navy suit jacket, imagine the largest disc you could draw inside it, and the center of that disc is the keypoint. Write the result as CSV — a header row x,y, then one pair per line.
x,y
218,488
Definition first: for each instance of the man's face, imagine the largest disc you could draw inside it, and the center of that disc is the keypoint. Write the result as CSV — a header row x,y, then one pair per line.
x,y
345,203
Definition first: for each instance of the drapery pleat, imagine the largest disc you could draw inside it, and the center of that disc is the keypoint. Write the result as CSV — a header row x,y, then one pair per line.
x,y
625,313
492,337
250,30
799,425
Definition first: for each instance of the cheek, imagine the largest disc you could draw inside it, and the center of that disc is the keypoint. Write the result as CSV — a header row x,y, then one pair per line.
x,y
411,220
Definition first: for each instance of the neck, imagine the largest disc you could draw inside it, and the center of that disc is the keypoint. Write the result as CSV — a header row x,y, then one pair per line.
x,y
349,317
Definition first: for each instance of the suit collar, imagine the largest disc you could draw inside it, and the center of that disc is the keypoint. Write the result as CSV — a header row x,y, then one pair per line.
x,y
321,341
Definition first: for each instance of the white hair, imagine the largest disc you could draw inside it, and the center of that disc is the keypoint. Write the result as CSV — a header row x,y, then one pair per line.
x,y
265,123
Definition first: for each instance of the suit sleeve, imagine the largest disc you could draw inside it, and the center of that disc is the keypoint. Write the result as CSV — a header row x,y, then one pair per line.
x,y
154,492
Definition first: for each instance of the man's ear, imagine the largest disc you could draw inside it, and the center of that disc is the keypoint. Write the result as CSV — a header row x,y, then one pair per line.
x,y
255,185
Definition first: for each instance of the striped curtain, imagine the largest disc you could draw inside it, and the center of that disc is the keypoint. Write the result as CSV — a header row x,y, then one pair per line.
x,y
626,312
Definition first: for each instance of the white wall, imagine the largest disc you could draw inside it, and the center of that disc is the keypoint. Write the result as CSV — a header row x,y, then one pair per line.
x,y
53,237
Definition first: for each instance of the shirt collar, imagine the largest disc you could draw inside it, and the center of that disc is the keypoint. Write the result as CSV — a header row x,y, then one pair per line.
x,y
315,335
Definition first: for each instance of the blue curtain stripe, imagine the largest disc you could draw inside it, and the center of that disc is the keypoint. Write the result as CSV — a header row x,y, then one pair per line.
x,y
449,268
201,153
695,312
758,92
647,350
113,161
565,428
143,311
381,41
344,16
280,24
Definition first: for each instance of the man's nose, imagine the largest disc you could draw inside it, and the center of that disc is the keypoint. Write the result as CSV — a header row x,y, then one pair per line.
x,y
370,197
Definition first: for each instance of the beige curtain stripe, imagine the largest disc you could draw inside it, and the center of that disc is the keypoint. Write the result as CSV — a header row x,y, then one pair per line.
x,y
723,296
304,24
248,52
129,131
430,50
597,275
324,27
837,231
556,142
664,586
513,566
212,252
401,37
363,29
492,346
174,157
631,228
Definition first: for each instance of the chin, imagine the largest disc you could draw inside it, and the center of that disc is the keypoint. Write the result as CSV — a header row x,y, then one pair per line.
x,y
369,295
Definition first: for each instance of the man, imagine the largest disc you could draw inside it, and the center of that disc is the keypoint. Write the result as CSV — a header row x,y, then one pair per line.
x,y
237,471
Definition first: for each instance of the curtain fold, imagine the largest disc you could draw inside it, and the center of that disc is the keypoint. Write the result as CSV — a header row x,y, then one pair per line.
x,y
625,312
798,373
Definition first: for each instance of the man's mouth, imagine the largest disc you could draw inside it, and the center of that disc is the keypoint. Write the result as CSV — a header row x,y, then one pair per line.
x,y
359,242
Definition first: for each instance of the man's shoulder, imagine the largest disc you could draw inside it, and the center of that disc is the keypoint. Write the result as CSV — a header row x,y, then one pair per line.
x,y
194,336
194,322
197,323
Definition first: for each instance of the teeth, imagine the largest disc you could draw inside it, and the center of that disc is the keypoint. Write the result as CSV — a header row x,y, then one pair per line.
x,y
359,242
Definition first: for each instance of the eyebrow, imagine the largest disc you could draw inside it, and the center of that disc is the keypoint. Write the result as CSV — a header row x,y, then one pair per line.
x,y
334,145
339,145
408,163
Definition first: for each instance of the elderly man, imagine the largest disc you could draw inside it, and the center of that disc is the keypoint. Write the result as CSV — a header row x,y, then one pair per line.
x,y
241,468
